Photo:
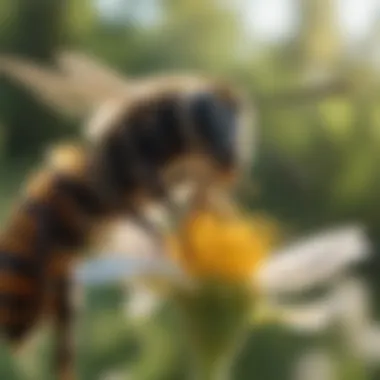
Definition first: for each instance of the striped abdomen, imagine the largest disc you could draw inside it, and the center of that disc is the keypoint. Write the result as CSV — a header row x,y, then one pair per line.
x,y
35,250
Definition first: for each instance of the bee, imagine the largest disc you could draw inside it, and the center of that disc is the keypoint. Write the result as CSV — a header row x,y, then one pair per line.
x,y
136,149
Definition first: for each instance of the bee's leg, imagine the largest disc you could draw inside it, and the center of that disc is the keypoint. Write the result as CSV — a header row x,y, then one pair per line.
x,y
153,216
25,355
152,226
63,318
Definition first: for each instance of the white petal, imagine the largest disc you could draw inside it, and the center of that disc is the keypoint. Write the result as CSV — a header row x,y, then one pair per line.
x,y
115,268
314,260
142,303
312,318
315,365
370,344
353,313
352,305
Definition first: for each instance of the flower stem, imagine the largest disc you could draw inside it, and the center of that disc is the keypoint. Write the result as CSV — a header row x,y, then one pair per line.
x,y
212,370
215,319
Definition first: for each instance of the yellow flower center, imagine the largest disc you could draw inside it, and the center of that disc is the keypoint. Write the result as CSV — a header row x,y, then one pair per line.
x,y
209,246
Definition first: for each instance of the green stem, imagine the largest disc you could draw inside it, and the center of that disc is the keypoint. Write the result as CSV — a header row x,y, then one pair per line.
x,y
213,369
215,318
210,373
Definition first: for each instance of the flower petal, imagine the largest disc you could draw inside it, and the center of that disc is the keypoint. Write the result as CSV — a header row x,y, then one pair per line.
x,y
310,318
115,268
370,344
142,303
313,261
353,305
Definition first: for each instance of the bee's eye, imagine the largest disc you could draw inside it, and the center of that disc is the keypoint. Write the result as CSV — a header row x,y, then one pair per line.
x,y
215,124
204,114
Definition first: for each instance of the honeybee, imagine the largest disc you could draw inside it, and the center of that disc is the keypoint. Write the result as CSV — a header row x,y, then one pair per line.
x,y
137,149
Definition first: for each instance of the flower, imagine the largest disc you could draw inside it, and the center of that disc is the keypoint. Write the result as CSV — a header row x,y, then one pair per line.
x,y
236,250
231,249
219,269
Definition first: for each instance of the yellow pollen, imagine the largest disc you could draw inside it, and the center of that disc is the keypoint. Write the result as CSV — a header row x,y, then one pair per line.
x,y
228,249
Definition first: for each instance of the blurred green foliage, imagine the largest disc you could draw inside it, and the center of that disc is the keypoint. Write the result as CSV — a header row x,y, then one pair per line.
x,y
318,151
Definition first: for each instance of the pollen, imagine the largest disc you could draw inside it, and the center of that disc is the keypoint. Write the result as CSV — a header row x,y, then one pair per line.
x,y
229,249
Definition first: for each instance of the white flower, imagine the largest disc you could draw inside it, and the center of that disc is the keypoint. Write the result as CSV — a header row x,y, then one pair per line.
x,y
217,248
302,265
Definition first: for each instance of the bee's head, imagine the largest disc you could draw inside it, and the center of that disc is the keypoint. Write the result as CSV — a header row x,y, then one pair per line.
x,y
176,122
215,118
214,121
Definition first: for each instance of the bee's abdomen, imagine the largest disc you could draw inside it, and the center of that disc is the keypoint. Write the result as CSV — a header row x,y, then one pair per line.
x,y
20,293
32,242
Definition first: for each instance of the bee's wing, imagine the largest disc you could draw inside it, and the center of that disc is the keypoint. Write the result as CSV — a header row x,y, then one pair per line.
x,y
68,92
50,86
88,70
